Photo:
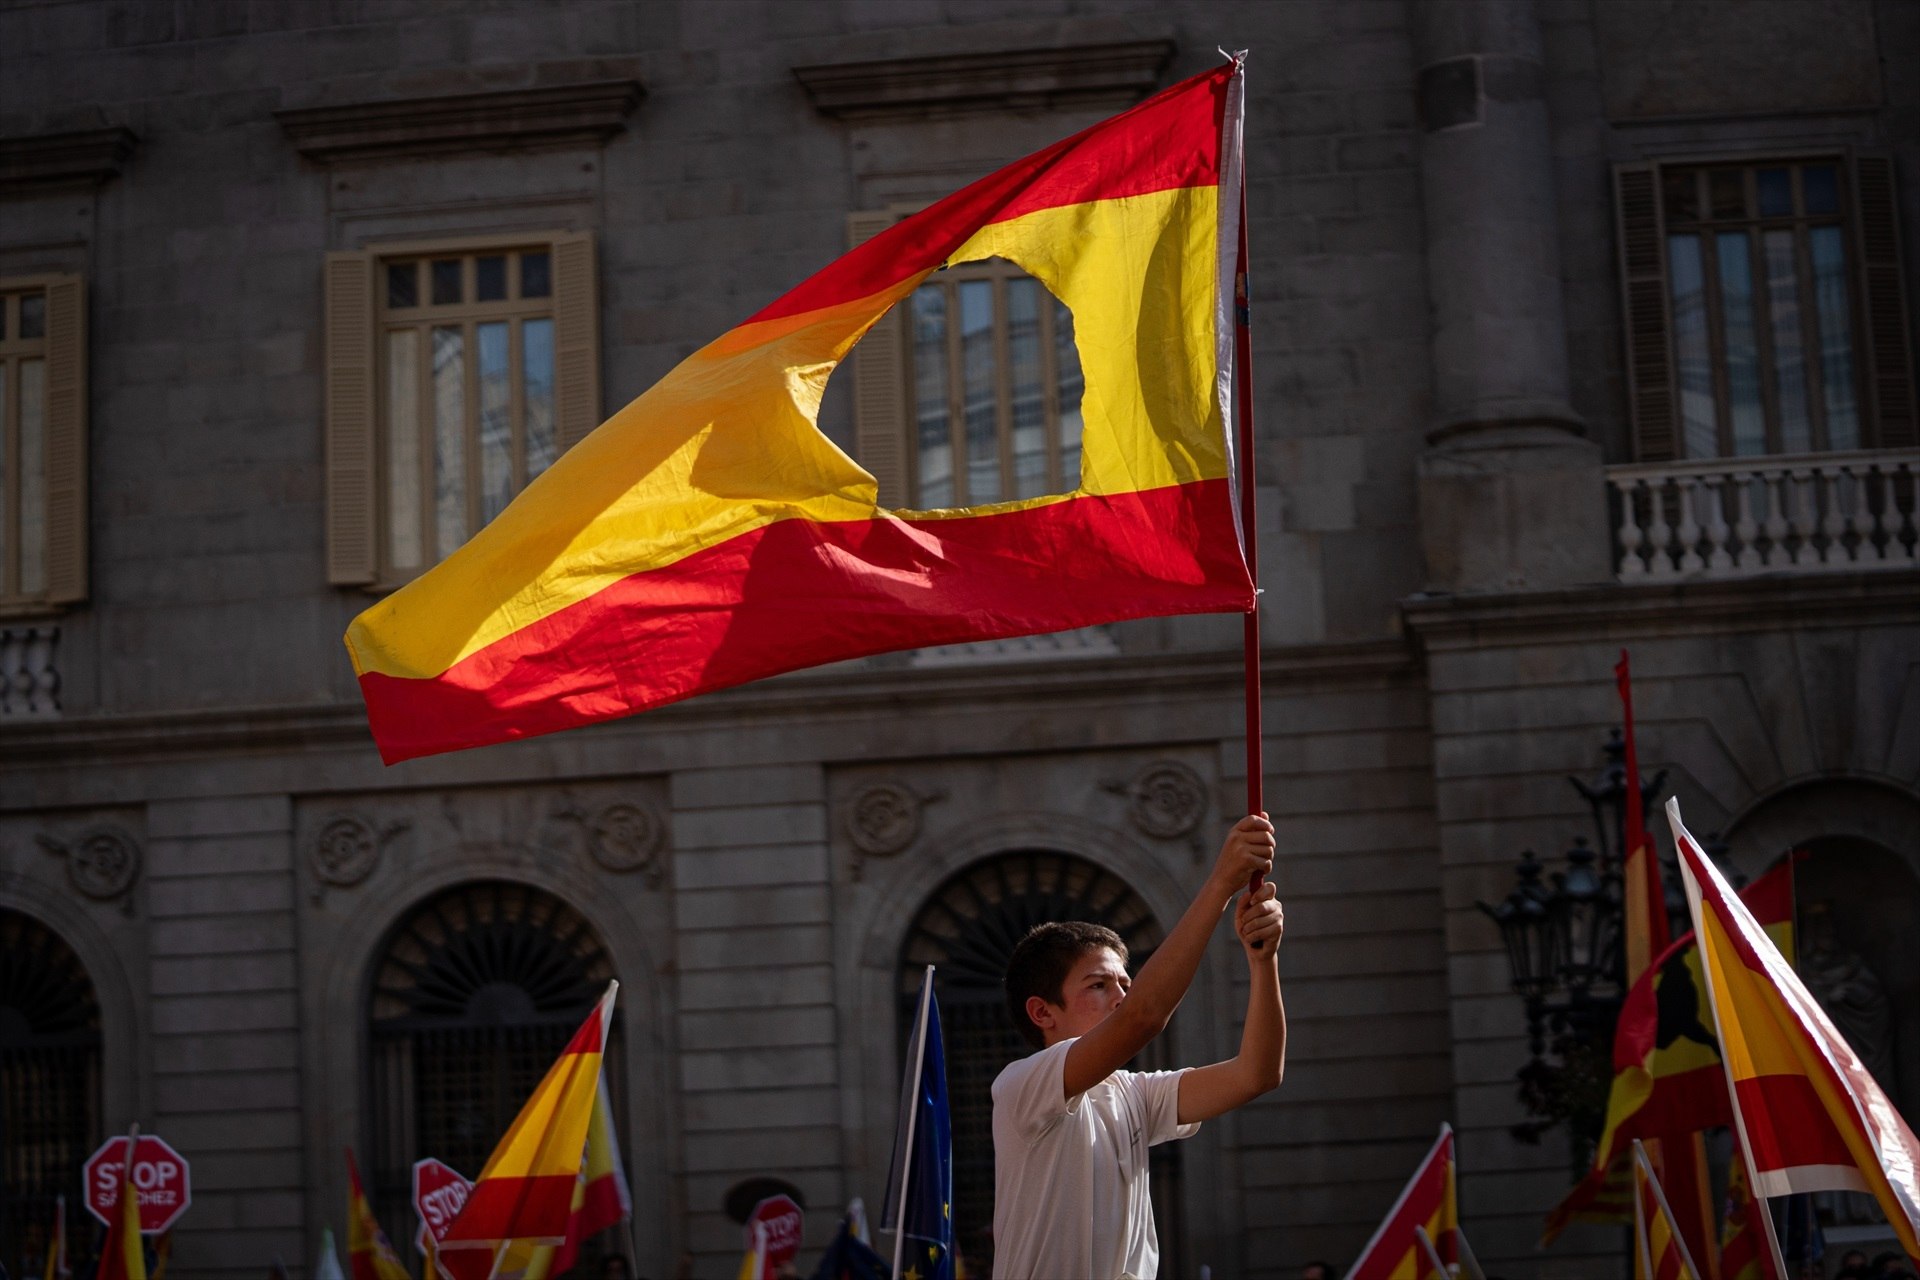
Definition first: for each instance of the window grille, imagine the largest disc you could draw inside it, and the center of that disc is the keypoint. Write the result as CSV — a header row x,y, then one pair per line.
x,y
967,930
49,1089
475,995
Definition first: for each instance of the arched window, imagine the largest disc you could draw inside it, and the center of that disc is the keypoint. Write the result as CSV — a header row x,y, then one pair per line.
x,y
49,1087
967,929
476,993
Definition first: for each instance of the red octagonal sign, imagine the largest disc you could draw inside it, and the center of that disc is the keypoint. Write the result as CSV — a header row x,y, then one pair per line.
x,y
159,1179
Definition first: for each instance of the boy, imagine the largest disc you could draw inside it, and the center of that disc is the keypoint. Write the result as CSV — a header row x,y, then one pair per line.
x,y
1071,1126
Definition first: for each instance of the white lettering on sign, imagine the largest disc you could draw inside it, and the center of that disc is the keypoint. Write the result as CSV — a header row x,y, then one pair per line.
x,y
152,1182
443,1206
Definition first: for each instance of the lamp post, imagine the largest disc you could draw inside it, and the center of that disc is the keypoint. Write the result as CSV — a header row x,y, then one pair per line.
x,y
1565,953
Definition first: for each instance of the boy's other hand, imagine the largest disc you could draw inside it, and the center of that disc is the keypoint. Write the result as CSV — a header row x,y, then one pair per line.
x,y
1260,922
1249,849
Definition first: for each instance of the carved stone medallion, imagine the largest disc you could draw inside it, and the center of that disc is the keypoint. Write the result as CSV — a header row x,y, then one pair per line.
x,y
102,862
884,819
345,851
626,837
1166,799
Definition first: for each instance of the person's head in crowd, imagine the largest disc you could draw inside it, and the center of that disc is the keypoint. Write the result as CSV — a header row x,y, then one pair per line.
x,y
614,1267
1888,1266
1853,1266
1319,1271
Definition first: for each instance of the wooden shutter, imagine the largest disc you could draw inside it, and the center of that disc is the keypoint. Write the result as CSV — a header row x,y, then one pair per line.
x,y
880,386
1889,343
66,444
576,338
1643,296
352,529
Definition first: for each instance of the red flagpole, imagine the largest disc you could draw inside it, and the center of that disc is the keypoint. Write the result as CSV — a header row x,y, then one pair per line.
x,y
1243,376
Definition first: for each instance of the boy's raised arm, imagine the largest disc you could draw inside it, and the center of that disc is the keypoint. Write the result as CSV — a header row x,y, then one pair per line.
x,y
1206,1092
1164,979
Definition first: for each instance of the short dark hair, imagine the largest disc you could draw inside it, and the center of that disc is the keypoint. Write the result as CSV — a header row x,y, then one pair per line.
x,y
1041,962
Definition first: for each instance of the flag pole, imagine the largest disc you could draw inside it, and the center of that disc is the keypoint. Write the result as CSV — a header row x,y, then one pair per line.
x,y
1433,1254
913,1111
1467,1258
1660,1194
1243,398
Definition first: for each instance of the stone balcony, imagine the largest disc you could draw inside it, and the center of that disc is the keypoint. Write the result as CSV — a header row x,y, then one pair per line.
x,y
1781,513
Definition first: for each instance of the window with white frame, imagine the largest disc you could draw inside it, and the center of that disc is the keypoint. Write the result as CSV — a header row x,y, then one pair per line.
x,y
42,442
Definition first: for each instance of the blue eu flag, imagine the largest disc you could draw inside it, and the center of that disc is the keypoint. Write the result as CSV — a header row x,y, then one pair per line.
x,y
923,1154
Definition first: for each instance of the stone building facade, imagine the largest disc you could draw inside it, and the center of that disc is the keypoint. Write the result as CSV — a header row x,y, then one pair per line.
x,y
1520,403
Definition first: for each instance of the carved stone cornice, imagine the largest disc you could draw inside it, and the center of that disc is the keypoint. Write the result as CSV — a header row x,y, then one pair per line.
x,y
495,121
948,84
45,161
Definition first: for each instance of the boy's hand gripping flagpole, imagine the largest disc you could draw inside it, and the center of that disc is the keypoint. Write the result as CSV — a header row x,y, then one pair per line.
x,y
1243,399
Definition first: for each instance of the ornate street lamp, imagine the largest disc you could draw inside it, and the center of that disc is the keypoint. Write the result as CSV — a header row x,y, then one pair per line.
x,y
1567,961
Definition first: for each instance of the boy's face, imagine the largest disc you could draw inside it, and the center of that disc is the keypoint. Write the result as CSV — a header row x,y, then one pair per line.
x,y
1094,988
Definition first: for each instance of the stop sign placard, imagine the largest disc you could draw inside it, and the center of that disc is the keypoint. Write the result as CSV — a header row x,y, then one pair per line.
x,y
439,1193
779,1219
160,1179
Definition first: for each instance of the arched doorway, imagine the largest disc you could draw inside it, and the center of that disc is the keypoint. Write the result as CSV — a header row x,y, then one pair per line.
x,y
50,1118
475,993
967,929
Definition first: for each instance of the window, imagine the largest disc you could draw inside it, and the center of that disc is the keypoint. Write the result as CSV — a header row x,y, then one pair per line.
x,y
457,372
967,930
995,386
969,393
49,1088
42,444
476,994
1765,308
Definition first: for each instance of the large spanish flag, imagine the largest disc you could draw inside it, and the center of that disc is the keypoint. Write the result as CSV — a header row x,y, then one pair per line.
x,y
1808,1114
525,1194
709,534
1427,1201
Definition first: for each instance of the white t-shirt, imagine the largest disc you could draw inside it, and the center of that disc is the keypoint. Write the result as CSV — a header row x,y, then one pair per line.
x,y
1070,1174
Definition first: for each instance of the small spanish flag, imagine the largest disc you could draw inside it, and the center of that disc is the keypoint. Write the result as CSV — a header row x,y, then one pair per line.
x,y
709,533
1808,1113
1428,1201
370,1255
600,1197
124,1256
525,1194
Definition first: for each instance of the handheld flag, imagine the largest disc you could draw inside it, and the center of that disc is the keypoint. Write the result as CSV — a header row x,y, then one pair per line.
x,y
920,1184
1645,907
600,1196
1808,1114
709,534
1661,1252
124,1255
327,1266
57,1267
369,1254
1667,1080
1428,1202
525,1193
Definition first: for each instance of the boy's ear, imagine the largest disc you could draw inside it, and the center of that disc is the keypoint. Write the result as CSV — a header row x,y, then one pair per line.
x,y
1039,1012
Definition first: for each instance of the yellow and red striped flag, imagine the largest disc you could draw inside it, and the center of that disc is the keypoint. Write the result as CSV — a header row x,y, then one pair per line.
x,y
124,1255
370,1254
525,1193
1667,1075
710,534
1428,1200
1808,1114
1662,1252
600,1196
